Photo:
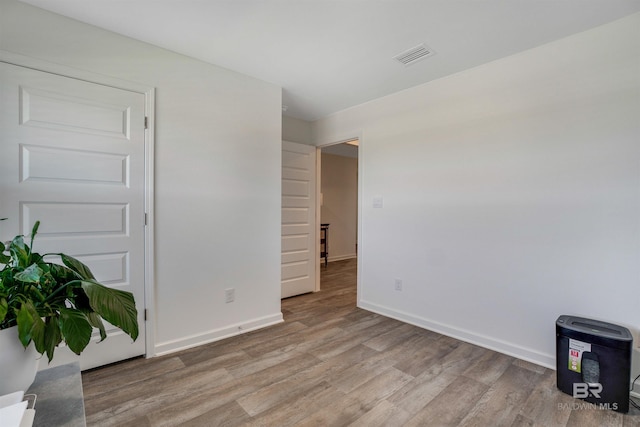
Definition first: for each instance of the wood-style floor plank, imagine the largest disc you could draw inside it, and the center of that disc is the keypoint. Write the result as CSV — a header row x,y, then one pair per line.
x,y
333,364
451,405
504,399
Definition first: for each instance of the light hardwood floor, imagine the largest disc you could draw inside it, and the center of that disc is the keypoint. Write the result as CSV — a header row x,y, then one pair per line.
x,y
332,364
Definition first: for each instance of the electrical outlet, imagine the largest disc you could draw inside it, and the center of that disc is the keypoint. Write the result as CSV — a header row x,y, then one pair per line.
x,y
398,284
229,295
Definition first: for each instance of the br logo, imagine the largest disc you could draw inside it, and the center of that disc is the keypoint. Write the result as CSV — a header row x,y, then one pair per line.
x,y
583,390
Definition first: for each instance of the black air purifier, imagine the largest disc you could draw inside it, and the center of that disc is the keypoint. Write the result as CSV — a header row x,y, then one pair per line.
x,y
593,361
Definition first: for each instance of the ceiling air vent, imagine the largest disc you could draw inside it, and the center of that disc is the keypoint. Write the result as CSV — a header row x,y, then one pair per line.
x,y
414,54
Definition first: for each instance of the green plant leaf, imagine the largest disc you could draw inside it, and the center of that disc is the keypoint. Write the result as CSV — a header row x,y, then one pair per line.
x,y
4,308
19,251
78,267
38,334
66,280
63,274
31,274
25,322
4,259
52,336
115,306
96,321
34,231
81,302
75,328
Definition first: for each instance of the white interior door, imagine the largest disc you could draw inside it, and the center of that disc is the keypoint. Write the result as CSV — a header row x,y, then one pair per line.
x,y
299,246
72,156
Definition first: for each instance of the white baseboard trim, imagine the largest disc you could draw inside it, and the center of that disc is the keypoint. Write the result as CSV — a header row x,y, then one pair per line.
x,y
341,257
168,347
527,354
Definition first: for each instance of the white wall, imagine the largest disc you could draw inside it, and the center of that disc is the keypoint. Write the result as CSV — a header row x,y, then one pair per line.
x,y
339,188
296,130
511,193
217,165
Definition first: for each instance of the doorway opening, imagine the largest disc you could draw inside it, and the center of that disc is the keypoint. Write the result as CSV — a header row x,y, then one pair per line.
x,y
338,209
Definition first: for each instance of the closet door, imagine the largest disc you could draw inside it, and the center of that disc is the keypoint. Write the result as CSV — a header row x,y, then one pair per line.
x,y
72,155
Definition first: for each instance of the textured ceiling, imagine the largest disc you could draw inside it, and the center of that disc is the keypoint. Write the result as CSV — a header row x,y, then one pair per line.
x,y
329,55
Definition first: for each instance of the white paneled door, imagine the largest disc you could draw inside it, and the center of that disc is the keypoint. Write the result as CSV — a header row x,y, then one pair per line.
x,y
72,157
299,247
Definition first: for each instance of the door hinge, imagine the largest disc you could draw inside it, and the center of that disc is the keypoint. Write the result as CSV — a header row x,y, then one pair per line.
x,y
146,122
146,312
145,219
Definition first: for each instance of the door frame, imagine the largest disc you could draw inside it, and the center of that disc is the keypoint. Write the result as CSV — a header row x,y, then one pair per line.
x,y
355,135
149,144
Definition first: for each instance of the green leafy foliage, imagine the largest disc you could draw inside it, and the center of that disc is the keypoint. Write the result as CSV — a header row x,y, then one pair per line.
x,y
75,265
51,303
117,307
75,328
4,308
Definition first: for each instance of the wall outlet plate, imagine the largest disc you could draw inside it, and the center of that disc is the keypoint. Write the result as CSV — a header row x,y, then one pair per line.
x,y
229,295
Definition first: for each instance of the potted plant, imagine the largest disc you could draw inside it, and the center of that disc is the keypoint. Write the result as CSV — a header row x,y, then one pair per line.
x,y
44,304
